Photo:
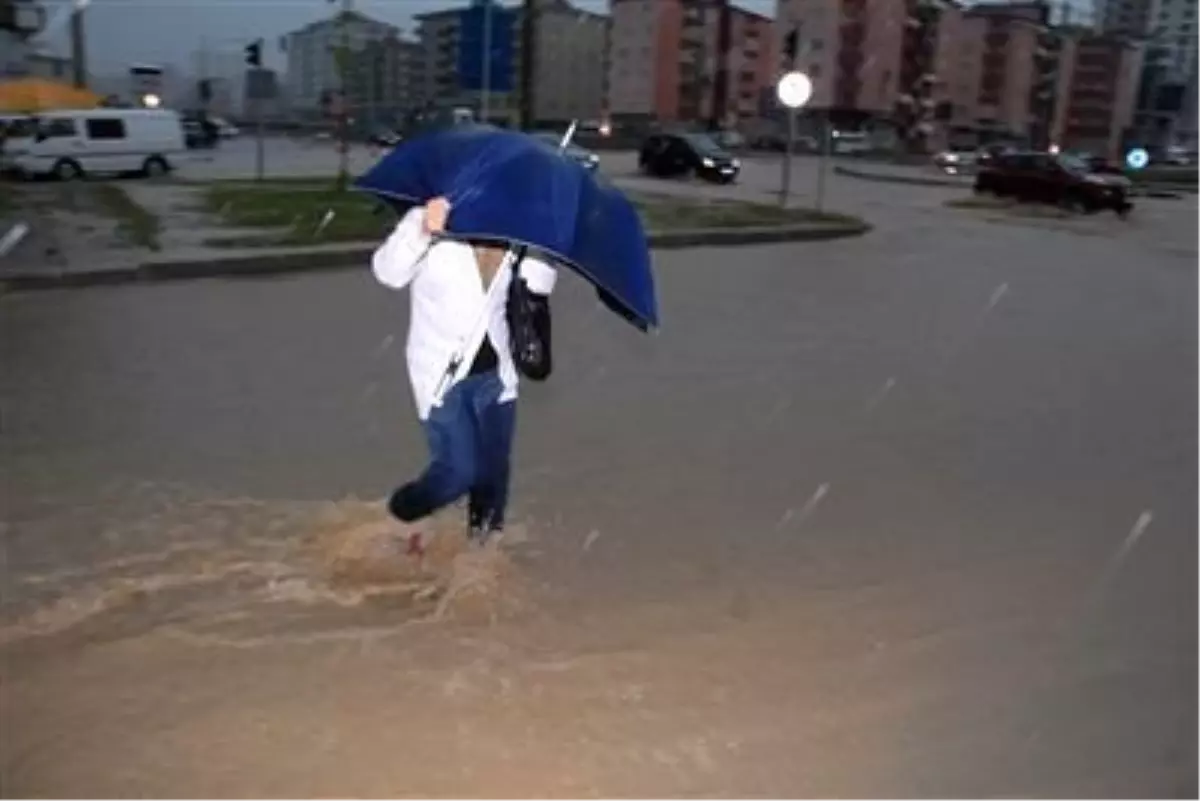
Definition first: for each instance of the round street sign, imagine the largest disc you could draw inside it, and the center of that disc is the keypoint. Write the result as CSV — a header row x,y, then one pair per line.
x,y
794,89
1137,158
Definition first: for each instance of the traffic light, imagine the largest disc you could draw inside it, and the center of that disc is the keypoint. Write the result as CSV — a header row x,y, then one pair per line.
x,y
791,45
254,53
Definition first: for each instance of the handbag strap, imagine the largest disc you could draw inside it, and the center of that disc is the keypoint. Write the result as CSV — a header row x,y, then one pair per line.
x,y
512,261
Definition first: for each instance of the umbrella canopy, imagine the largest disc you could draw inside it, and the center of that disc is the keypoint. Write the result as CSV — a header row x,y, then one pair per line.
x,y
513,188
31,95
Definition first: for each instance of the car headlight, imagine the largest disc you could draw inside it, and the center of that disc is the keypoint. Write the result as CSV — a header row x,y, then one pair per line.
x,y
737,165
708,162
1094,179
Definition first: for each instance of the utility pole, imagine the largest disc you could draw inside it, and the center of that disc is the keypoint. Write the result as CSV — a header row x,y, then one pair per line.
x,y
528,62
342,63
791,52
254,95
78,46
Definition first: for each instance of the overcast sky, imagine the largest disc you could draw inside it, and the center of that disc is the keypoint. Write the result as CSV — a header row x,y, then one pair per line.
x,y
172,31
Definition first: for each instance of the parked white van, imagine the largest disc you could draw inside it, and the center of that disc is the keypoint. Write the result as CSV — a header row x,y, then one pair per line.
x,y
71,144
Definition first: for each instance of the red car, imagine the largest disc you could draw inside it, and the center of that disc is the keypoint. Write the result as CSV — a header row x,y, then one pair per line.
x,y
1056,179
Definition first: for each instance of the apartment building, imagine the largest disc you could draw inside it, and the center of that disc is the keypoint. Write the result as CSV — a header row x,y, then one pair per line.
x,y
939,73
1013,76
1097,91
1166,111
569,63
999,68
1129,17
383,78
852,50
688,61
312,69
20,22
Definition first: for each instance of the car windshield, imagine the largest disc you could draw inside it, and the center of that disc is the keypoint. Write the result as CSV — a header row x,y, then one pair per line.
x,y
703,144
1074,164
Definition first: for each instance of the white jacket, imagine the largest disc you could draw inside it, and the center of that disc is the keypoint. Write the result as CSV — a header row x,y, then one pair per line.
x,y
447,298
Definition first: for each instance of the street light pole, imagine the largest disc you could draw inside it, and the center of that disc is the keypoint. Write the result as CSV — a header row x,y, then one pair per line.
x,y
794,90
78,46
792,99
343,65
786,189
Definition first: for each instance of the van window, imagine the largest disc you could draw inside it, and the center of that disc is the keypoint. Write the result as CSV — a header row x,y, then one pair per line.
x,y
106,129
20,128
58,128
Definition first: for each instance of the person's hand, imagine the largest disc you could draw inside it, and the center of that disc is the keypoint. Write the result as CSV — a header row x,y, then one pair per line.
x,y
436,212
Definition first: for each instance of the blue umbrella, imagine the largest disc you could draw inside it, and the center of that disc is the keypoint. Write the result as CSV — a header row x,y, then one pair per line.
x,y
509,187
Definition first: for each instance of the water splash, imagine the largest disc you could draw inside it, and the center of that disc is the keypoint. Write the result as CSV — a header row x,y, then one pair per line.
x,y
225,563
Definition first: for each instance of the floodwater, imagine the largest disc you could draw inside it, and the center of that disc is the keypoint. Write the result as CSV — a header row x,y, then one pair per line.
x,y
912,514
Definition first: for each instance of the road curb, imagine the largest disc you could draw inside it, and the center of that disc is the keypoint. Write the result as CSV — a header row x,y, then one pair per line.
x,y
911,180
357,254
1157,191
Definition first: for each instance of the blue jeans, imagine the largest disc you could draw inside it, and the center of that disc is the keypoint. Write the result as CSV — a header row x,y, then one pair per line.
x,y
470,440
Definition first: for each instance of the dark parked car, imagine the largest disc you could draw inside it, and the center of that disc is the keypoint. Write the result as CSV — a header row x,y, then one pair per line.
x,y
197,135
1058,179
671,155
587,158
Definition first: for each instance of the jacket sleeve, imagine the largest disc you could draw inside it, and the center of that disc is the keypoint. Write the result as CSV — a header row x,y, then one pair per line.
x,y
395,261
539,276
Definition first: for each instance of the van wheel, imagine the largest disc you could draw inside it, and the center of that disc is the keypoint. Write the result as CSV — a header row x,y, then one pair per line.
x,y
154,167
67,170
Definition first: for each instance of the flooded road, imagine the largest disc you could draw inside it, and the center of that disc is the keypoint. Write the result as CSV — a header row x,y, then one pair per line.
x,y
912,514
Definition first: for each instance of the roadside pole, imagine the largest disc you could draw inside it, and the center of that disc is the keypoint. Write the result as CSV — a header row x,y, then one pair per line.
x,y
260,157
826,143
793,91
785,189
261,88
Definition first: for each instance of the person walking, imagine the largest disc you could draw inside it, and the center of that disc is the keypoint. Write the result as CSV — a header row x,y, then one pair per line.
x,y
460,362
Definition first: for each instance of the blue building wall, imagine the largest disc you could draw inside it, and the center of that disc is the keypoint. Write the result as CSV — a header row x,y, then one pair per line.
x,y
472,27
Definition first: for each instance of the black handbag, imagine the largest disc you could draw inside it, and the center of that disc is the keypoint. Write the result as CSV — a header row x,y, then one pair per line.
x,y
528,316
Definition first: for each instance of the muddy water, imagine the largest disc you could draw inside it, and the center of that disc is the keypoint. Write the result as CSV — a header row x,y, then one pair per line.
x,y
206,565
